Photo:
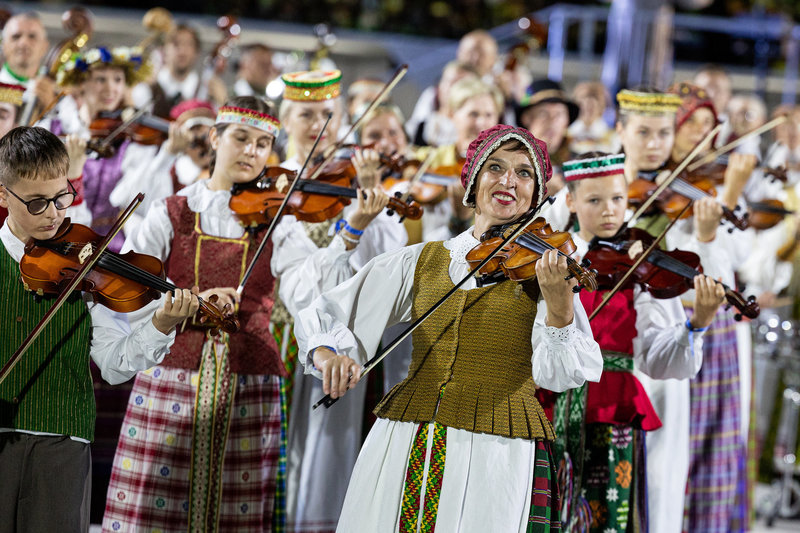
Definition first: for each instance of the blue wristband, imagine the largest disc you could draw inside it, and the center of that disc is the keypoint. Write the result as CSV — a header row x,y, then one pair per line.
x,y
339,224
692,328
350,229
311,353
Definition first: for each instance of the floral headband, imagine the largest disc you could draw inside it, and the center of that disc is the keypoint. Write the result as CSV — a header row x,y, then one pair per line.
x,y
130,59
248,117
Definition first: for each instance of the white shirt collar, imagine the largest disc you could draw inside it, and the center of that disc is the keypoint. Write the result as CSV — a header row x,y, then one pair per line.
x,y
171,86
460,245
202,199
14,246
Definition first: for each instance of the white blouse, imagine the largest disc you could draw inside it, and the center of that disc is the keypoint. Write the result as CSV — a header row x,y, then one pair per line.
x,y
352,317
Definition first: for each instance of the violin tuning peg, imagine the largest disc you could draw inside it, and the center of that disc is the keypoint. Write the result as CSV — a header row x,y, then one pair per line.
x,y
390,212
401,219
569,277
737,317
586,263
576,289
398,194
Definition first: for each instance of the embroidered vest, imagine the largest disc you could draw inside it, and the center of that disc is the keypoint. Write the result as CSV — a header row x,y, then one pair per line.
x,y
50,388
471,363
208,261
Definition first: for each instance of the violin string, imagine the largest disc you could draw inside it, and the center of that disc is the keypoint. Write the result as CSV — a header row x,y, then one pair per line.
x,y
529,240
119,266
663,260
688,190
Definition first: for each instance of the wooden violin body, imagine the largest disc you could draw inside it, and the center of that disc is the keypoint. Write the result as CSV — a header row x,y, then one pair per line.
x,y
517,259
316,200
123,283
664,274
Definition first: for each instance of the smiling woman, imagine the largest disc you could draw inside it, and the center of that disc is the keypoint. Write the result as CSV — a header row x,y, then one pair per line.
x,y
466,417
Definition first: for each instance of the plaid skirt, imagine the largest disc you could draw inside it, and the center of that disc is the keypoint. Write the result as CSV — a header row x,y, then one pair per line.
x,y
716,497
150,486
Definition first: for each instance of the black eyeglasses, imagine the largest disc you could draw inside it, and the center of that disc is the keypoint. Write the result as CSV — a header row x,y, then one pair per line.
x,y
37,206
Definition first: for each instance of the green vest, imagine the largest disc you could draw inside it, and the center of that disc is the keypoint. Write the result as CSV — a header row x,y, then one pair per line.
x,y
471,363
50,389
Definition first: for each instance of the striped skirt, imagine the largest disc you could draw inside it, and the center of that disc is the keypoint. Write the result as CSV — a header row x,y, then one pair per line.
x,y
413,478
716,498
163,472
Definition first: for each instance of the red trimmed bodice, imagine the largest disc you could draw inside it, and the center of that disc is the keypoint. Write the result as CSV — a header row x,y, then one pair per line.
x,y
209,261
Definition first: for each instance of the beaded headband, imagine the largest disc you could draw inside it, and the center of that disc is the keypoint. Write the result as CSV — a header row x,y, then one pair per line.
x,y
648,103
248,117
11,94
692,99
312,85
129,59
596,167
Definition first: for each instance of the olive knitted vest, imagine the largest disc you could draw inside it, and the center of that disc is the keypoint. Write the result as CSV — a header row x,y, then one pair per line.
x,y
50,388
471,363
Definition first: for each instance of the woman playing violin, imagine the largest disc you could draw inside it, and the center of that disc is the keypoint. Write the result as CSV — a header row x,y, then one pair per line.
x,y
638,334
105,74
201,436
476,363
309,258
715,497
474,107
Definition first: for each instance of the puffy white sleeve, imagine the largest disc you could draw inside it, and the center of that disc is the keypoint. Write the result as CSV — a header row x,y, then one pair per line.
x,y
715,256
564,358
664,347
124,344
304,270
154,234
352,317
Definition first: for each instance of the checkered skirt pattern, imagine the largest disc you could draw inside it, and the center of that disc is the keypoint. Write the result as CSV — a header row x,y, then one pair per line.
x,y
149,488
717,466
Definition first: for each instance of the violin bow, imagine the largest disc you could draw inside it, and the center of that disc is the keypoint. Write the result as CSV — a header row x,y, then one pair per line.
x,y
423,168
71,286
125,123
396,77
733,144
281,209
639,261
673,175
327,401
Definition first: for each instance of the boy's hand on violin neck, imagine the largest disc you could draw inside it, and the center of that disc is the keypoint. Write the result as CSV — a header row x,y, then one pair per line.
x,y
366,163
551,270
370,203
76,150
221,297
339,372
175,309
707,216
709,295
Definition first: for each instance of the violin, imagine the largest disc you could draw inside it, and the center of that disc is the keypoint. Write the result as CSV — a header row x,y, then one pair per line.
x,y
677,196
121,282
664,274
517,260
109,129
767,213
715,172
158,22
257,202
431,188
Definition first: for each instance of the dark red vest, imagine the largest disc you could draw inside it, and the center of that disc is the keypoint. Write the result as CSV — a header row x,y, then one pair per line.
x,y
208,261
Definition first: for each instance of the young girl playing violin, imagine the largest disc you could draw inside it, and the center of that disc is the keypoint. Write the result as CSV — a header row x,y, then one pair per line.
x,y
309,258
105,74
716,495
602,425
200,444
462,443
47,405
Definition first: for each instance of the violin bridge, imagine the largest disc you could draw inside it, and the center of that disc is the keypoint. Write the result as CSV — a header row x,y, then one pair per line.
x,y
85,253
635,249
